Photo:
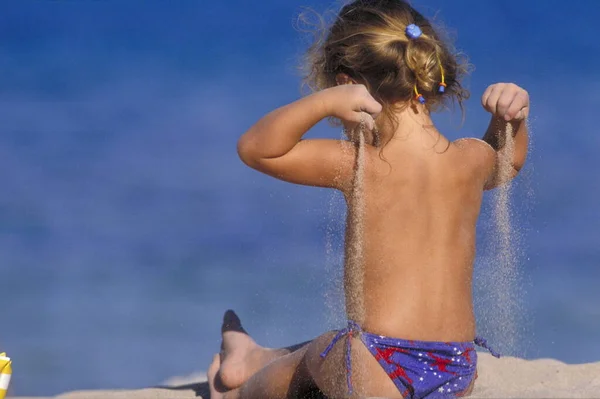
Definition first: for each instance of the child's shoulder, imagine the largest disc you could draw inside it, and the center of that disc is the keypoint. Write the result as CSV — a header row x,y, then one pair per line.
x,y
477,153
475,145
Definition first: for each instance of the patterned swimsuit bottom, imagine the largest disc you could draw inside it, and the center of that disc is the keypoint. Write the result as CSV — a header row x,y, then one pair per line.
x,y
419,369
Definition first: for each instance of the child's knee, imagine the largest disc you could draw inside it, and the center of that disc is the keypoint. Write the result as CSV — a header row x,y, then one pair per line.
x,y
329,373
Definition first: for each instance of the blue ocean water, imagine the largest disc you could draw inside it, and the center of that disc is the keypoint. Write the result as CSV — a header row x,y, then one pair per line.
x,y
128,225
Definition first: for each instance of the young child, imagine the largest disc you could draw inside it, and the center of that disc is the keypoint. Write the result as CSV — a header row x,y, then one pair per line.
x,y
411,328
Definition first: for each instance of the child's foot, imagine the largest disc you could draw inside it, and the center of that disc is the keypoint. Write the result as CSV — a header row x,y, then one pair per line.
x,y
213,370
241,356
236,348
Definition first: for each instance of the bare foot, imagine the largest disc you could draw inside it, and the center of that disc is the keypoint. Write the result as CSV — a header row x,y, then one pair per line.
x,y
213,370
241,356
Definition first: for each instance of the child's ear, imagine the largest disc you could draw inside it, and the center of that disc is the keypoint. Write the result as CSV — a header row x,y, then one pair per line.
x,y
344,79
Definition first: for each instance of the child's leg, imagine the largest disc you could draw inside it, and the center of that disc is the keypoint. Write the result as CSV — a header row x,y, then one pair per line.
x,y
241,357
285,377
305,371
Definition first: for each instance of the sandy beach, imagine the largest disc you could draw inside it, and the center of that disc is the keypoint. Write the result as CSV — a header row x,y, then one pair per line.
x,y
498,378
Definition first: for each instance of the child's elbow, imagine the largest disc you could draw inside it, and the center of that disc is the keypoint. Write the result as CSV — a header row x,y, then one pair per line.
x,y
245,150
517,166
519,159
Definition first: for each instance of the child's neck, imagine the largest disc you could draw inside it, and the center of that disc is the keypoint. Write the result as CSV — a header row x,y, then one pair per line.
x,y
411,123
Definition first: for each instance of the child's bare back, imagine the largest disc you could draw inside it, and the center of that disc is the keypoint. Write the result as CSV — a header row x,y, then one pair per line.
x,y
421,206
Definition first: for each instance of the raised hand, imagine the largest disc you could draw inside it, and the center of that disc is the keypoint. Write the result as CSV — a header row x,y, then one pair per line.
x,y
352,104
506,101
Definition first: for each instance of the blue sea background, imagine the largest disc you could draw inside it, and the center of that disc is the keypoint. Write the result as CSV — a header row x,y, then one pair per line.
x,y
128,224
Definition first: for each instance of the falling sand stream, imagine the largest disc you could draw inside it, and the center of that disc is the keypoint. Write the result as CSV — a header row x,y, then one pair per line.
x,y
354,269
502,277
344,297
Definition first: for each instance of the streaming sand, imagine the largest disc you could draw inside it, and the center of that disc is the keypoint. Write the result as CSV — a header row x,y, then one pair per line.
x,y
334,257
500,285
334,262
505,276
354,268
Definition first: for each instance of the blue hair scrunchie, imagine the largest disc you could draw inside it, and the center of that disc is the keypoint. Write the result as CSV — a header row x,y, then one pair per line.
x,y
413,31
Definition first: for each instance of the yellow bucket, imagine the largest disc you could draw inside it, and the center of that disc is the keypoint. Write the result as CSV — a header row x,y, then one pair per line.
x,y
5,374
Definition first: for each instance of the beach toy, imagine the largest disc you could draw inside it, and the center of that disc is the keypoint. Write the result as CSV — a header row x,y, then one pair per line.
x,y
5,374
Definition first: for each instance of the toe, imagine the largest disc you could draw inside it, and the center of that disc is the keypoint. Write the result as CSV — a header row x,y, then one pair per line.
x,y
213,380
231,322
214,366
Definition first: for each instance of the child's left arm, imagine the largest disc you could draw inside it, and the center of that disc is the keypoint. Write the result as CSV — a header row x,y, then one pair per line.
x,y
274,144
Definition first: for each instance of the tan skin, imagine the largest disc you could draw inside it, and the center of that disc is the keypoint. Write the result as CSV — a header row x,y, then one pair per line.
x,y
422,202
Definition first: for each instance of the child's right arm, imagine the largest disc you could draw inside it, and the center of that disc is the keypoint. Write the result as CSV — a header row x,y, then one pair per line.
x,y
508,104
275,147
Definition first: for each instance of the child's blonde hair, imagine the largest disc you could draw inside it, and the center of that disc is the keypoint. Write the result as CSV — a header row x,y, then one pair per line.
x,y
368,42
